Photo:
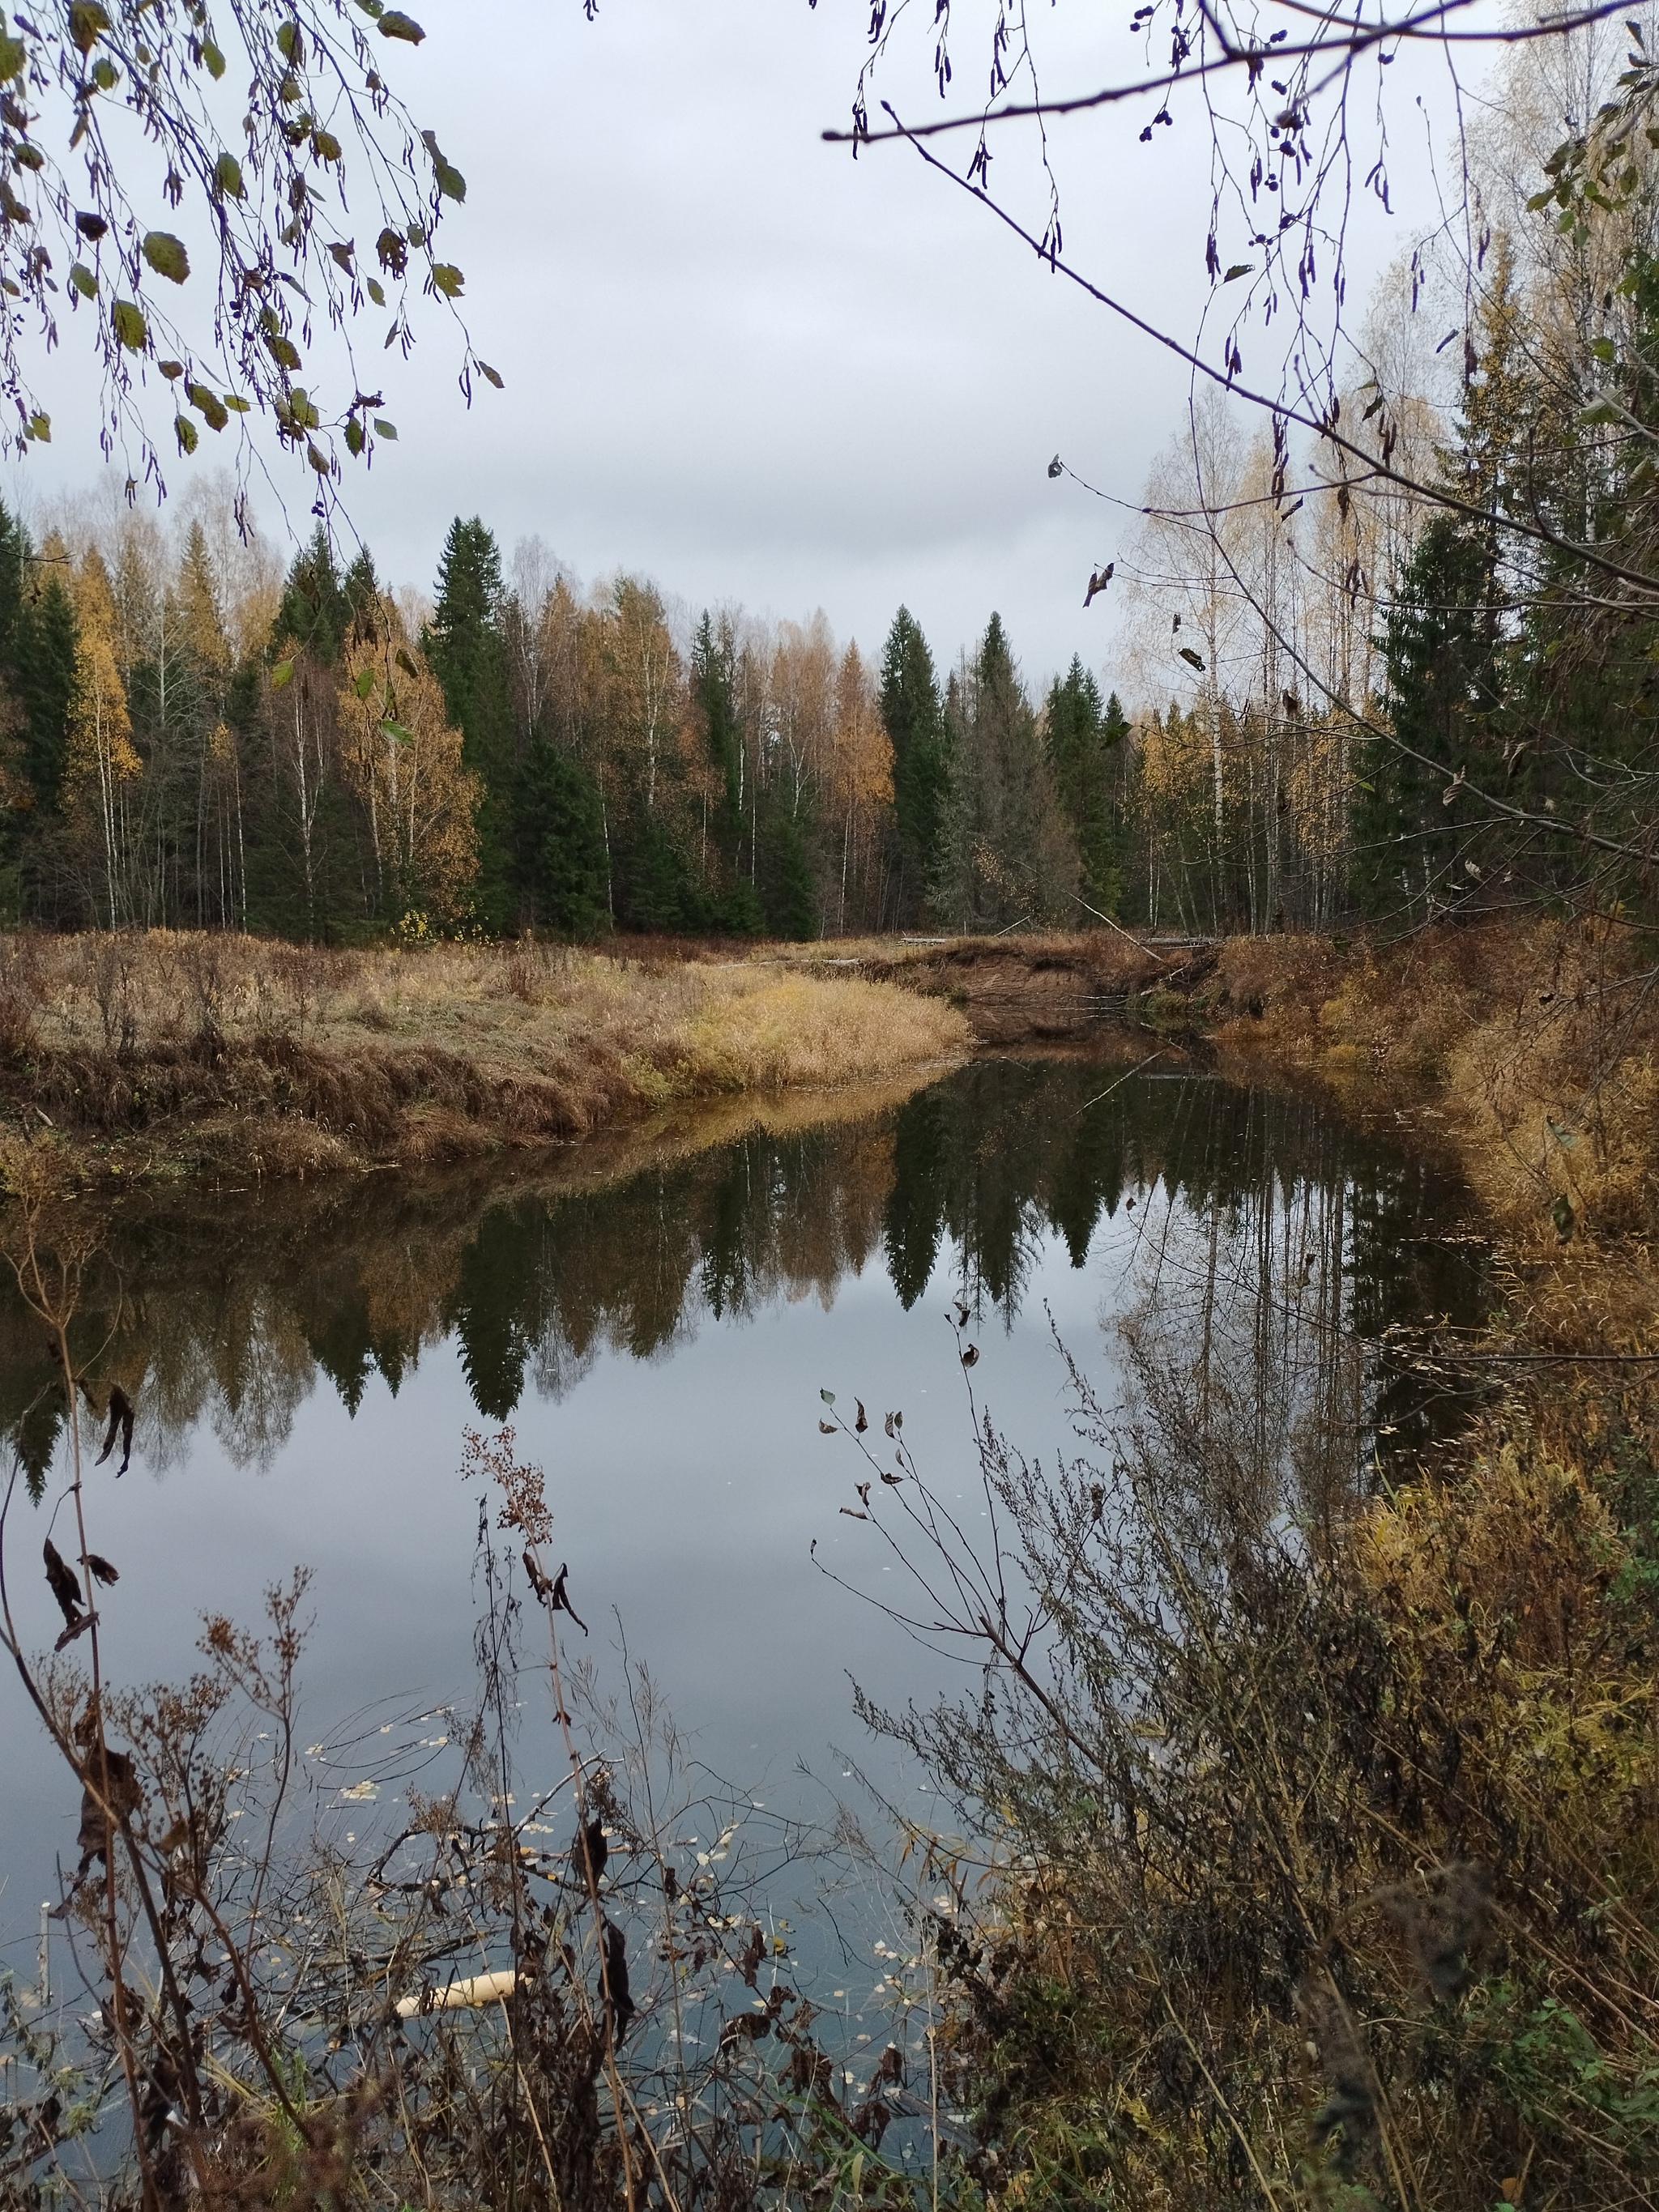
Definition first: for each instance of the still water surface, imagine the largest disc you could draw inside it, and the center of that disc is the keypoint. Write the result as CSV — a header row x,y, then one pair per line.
x,y
656,1321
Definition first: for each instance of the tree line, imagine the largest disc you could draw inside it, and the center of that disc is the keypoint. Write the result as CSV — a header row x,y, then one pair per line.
x,y
1349,701
190,740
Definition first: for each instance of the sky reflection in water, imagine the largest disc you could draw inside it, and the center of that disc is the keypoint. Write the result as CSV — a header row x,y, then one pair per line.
x,y
305,1364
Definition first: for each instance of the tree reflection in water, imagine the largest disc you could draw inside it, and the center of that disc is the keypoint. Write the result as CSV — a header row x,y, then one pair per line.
x,y
1269,1235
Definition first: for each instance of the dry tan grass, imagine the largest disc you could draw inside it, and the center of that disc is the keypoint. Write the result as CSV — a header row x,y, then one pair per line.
x,y
1532,1046
297,1059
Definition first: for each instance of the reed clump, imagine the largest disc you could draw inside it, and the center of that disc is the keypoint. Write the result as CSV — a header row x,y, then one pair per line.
x,y
219,1050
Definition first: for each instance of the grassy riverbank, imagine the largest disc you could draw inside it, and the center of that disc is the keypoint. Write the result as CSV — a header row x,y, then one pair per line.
x,y
165,1053
1533,1048
1331,1832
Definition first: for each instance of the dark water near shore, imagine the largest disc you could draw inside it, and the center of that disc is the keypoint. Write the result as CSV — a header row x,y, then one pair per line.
x,y
305,1364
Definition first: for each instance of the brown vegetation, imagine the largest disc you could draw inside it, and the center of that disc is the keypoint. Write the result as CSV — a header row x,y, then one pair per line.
x,y
157,1050
1323,1798
1040,986
1533,1048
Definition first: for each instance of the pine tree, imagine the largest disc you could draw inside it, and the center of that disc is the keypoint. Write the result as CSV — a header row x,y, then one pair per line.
x,y
466,645
913,714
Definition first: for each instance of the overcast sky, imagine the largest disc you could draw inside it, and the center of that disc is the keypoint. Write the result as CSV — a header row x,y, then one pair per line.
x,y
741,364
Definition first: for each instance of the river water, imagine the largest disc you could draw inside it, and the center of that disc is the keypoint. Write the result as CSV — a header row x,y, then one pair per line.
x,y
655,1316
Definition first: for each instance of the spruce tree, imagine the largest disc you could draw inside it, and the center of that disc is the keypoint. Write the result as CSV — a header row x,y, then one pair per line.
x,y
14,566
37,695
656,892
46,642
1081,735
912,715
468,650
711,687
1008,853
360,595
788,894
1443,651
37,662
737,908
559,838
313,613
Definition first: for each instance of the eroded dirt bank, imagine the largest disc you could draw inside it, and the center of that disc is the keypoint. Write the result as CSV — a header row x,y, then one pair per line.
x,y
1038,989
